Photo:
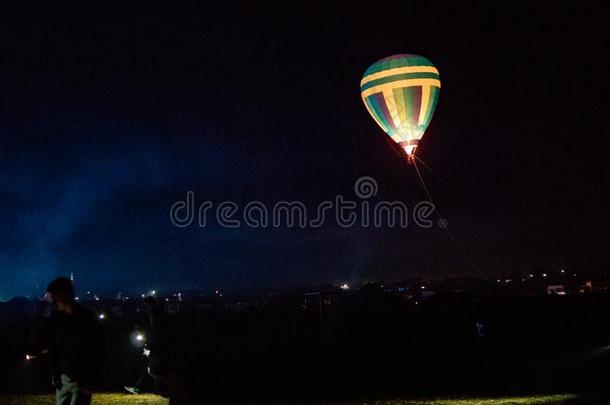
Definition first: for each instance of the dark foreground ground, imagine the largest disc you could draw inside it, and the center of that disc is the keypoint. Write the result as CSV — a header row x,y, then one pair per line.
x,y
368,344
116,399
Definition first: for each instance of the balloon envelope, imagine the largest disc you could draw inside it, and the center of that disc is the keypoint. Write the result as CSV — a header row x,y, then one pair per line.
x,y
401,92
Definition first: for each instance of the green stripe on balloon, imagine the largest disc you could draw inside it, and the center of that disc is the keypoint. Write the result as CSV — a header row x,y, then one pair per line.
x,y
397,61
413,97
434,93
376,109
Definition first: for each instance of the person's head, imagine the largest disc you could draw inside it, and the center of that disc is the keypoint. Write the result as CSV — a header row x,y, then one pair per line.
x,y
61,291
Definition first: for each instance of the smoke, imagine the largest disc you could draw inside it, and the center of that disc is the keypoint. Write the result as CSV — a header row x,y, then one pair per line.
x,y
47,196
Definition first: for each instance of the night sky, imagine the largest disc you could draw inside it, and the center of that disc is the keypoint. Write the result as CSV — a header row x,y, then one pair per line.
x,y
109,116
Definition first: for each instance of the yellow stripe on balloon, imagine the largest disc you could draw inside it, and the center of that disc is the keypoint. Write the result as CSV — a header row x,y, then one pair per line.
x,y
425,102
399,97
401,83
397,71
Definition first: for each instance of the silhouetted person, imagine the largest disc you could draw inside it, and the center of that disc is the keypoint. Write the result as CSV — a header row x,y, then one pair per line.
x,y
75,345
156,349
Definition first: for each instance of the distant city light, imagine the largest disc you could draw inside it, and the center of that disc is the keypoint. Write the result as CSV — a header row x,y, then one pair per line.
x,y
153,292
498,280
102,316
345,286
76,298
562,271
139,337
531,276
28,357
543,274
143,295
423,287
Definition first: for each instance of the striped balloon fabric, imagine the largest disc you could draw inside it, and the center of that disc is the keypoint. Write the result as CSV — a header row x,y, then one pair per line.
x,y
401,93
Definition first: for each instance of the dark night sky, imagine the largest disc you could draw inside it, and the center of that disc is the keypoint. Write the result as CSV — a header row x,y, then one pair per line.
x,y
108,116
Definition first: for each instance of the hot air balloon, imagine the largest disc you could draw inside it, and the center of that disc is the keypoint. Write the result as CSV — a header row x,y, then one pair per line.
x,y
401,92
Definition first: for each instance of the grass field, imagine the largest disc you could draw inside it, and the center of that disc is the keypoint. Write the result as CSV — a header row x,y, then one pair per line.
x,y
98,399
117,399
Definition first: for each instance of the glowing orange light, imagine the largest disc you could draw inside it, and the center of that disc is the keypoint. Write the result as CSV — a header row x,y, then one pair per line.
x,y
410,150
